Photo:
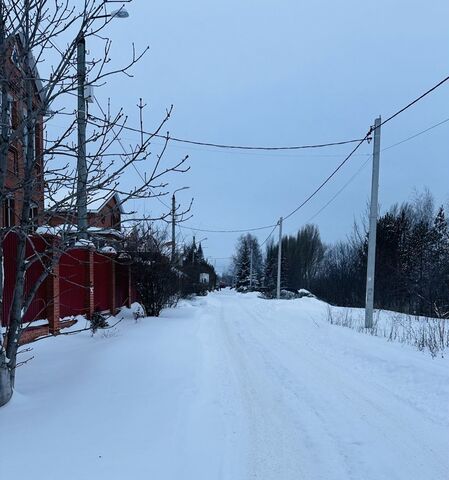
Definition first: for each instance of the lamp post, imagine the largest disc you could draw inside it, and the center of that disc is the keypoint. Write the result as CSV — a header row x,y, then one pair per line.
x,y
173,223
81,188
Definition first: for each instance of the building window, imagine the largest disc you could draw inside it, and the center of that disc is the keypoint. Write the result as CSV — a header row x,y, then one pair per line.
x,y
15,164
34,214
8,212
8,109
13,161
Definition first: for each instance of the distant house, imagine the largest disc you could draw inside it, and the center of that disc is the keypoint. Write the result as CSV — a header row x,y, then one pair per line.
x,y
104,214
10,212
108,214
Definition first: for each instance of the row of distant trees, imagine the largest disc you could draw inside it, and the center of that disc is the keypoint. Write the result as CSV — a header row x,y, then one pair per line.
x,y
412,261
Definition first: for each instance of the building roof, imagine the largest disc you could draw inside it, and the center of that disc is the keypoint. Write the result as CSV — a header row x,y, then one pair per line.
x,y
97,205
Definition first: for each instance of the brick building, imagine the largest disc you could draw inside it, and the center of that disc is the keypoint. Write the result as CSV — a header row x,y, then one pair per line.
x,y
10,212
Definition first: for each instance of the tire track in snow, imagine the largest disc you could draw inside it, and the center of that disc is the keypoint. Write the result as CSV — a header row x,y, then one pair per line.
x,y
275,437
380,414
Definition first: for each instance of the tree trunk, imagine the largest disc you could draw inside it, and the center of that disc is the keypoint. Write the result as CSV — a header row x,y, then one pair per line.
x,y
5,381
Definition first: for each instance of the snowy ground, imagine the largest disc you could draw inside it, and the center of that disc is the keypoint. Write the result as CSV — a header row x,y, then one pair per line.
x,y
228,387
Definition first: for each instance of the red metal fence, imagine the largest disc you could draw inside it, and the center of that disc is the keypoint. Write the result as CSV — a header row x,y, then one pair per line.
x,y
83,282
74,283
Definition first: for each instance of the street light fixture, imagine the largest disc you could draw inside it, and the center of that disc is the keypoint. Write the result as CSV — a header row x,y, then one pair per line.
x,y
120,13
81,190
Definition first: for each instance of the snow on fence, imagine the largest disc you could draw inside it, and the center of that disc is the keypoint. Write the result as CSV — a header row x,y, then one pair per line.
x,y
84,281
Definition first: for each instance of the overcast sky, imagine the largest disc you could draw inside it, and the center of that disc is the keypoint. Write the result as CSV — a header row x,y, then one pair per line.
x,y
288,72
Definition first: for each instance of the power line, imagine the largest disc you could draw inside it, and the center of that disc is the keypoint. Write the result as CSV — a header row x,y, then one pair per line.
x,y
366,162
204,230
403,109
327,179
294,147
416,100
306,156
339,191
322,184
246,147
416,134
320,187
233,147
269,236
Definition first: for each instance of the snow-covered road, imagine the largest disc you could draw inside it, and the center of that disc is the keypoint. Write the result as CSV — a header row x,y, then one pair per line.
x,y
229,387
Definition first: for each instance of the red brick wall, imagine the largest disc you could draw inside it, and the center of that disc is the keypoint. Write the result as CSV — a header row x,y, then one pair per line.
x,y
15,166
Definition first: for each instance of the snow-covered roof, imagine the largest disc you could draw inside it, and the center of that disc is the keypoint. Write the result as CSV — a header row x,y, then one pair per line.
x,y
108,249
106,231
69,206
49,230
96,206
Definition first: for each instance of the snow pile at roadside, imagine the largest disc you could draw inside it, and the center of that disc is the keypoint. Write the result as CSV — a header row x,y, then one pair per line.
x,y
424,333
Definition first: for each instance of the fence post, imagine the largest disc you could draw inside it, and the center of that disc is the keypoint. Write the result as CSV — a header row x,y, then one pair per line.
x,y
90,283
113,286
130,292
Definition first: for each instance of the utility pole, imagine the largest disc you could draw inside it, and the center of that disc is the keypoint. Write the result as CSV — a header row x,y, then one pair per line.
x,y
278,286
81,193
370,271
251,267
173,225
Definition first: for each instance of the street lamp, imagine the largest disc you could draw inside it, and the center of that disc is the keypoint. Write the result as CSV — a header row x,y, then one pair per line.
x,y
120,13
173,222
81,188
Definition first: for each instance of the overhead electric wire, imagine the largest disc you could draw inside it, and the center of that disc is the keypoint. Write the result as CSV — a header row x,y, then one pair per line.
x,y
328,178
366,162
339,191
326,181
233,147
269,236
388,119
416,100
416,135
322,184
307,200
247,147
243,230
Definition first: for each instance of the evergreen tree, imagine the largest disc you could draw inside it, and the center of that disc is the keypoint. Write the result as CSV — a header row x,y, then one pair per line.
x,y
248,253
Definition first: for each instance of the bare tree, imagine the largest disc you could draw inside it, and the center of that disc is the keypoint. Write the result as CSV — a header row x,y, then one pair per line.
x,y
29,31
